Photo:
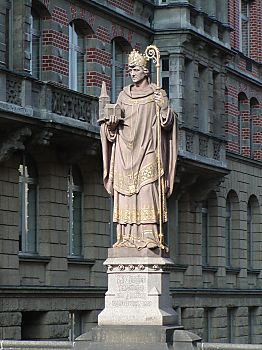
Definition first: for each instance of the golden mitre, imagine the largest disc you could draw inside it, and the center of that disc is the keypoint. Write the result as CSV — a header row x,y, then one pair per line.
x,y
135,58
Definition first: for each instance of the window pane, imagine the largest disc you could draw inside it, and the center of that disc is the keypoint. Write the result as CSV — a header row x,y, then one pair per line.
x,y
228,234
118,70
249,236
119,80
165,85
204,236
77,223
21,206
80,71
165,65
31,222
76,59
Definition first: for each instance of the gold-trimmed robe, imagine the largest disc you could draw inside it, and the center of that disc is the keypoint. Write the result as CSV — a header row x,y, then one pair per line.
x,y
131,166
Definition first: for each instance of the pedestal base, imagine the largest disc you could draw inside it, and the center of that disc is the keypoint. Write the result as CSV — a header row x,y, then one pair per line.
x,y
138,289
128,338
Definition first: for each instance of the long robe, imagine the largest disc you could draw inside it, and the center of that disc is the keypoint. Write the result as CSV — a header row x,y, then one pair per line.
x,y
131,172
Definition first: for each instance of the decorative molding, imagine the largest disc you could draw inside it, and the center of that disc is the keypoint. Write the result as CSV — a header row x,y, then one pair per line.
x,y
13,91
14,142
72,106
43,137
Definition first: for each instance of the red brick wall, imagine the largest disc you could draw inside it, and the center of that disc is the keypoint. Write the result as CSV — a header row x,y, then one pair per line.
x,y
98,50
255,10
242,115
125,5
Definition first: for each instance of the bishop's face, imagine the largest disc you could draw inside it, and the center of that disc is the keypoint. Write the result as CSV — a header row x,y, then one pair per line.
x,y
137,73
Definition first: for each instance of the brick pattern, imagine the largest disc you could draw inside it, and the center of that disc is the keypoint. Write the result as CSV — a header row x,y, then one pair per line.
x,y
125,5
99,33
55,64
243,115
95,79
60,16
255,27
55,39
98,56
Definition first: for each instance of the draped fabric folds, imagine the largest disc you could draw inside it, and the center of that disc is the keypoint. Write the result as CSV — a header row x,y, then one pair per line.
x,y
130,160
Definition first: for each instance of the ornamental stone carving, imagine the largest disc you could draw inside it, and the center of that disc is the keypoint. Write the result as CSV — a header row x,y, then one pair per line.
x,y
72,106
13,91
216,153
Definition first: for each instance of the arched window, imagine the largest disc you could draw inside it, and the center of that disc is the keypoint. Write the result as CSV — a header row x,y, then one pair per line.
x,y
252,230
38,10
28,200
232,227
120,50
75,207
249,236
228,235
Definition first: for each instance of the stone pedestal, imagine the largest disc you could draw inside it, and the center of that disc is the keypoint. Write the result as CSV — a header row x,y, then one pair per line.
x,y
138,311
138,288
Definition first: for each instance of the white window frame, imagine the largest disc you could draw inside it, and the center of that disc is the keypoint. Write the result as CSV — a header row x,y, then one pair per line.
x,y
247,20
34,33
74,49
75,321
24,181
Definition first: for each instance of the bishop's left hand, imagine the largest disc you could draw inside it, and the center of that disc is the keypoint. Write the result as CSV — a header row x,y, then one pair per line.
x,y
160,100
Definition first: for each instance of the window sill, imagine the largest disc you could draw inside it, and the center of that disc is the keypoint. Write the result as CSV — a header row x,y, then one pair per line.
x,y
253,271
25,257
233,270
80,260
209,268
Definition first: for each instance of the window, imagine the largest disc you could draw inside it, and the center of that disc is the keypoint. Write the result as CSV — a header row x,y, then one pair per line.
x,y
5,34
231,324
228,233
244,32
165,74
253,232
207,334
75,325
35,45
203,99
251,324
75,211
249,236
28,198
205,234
120,49
77,74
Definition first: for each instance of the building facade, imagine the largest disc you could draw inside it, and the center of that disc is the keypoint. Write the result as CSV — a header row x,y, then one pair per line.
x,y
55,216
